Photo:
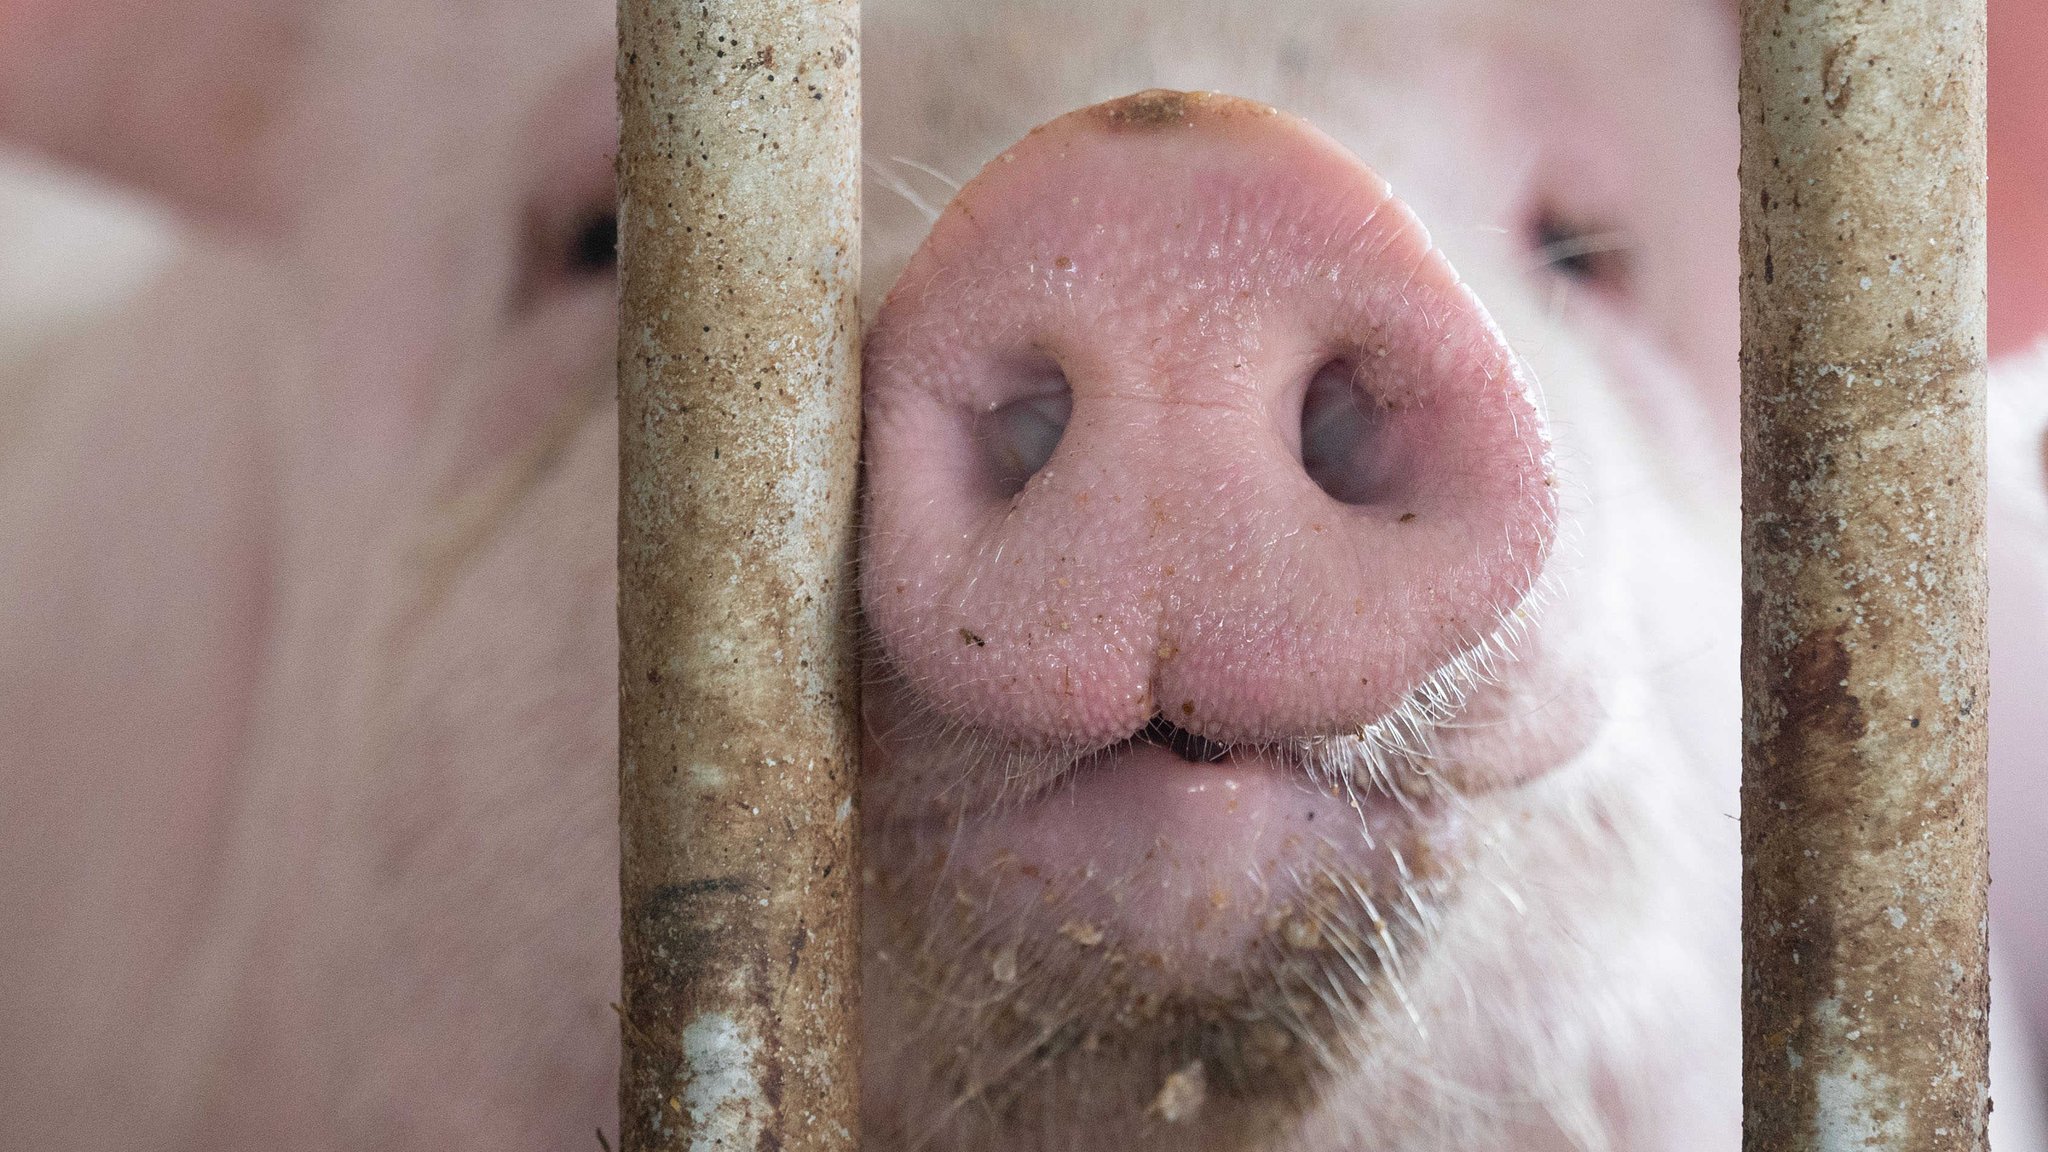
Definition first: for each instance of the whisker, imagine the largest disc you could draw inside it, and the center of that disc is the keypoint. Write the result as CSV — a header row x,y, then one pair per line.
x,y
896,184
928,170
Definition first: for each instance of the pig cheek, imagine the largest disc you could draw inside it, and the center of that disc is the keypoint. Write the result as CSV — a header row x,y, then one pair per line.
x,y
1540,719
495,822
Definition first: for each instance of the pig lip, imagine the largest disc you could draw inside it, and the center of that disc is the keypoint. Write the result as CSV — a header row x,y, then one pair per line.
x,y
1391,760
1340,767
1298,755
1138,851
1461,733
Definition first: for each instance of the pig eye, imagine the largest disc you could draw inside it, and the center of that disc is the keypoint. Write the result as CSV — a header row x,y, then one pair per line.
x,y
594,248
1591,253
569,228
567,251
1018,438
1344,445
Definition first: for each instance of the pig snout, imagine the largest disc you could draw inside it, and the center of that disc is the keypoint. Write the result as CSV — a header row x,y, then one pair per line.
x,y
1179,417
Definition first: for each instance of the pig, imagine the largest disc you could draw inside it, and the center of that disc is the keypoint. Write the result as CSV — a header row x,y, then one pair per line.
x,y
1298,574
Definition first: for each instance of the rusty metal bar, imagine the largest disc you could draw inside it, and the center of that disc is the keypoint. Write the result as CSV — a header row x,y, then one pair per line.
x,y
739,419
1865,991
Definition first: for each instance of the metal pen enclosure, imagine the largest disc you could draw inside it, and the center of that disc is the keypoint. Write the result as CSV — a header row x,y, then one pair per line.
x,y
1865,987
739,432
1865,993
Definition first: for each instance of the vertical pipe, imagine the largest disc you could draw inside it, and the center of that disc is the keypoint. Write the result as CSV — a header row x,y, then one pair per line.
x,y
738,437
1864,991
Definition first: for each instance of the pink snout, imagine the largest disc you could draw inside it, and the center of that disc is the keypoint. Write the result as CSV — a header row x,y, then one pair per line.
x,y
1178,413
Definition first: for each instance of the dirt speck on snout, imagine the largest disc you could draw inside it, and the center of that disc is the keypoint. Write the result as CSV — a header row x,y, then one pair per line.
x,y
1157,108
1182,1094
1152,108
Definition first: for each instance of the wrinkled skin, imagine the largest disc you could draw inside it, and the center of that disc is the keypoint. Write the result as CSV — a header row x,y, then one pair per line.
x,y
307,670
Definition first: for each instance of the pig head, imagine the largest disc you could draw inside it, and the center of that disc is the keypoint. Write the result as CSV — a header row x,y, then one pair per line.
x,y
1298,571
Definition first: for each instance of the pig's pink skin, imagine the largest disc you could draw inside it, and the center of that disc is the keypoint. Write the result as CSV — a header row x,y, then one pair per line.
x,y
306,658
306,626
2019,176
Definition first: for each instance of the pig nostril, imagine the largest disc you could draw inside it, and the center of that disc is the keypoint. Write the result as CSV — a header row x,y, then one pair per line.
x,y
1018,437
1344,436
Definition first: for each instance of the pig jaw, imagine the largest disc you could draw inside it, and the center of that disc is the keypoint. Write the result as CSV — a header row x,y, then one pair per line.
x,y
1123,939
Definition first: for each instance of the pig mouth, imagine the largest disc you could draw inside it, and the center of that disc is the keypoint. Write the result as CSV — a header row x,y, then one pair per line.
x,y
1189,746
1117,915
1419,754
1221,822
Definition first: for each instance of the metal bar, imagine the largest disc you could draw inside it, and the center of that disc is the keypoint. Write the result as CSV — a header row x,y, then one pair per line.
x,y
1865,990
739,430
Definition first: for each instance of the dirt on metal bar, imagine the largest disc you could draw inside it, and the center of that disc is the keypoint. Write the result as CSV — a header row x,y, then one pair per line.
x,y
1865,986
739,415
